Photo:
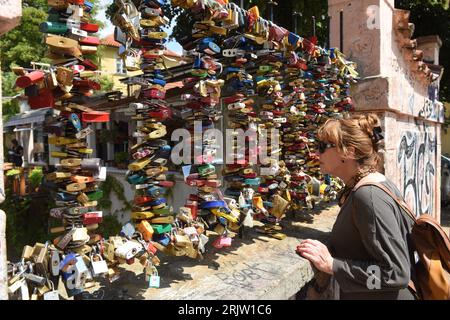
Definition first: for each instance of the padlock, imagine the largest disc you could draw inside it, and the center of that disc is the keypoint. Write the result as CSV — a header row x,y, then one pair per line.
x,y
55,262
40,257
30,79
92,217
146,229
128,250
99,267
80,234
222,241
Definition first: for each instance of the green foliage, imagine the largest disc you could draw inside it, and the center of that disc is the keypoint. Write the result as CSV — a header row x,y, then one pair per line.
x,y
39,4
108,135
121,157
24,44
8,82
10,108
106,83
110,185
110,226
35,177
26,222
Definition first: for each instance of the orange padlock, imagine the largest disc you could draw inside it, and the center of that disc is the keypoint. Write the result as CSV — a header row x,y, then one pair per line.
x,y
146,229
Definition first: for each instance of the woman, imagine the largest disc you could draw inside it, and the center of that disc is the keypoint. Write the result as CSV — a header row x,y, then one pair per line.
x,y
368,252
16,153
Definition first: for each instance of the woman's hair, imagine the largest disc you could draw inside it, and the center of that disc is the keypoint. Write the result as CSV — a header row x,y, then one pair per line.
x,y
356,131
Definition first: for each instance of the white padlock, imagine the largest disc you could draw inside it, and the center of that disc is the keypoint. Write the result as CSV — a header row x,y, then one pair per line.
x,y
128,250
99,267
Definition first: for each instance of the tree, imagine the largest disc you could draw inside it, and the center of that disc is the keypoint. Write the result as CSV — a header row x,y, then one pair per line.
x,y
106,83
24,44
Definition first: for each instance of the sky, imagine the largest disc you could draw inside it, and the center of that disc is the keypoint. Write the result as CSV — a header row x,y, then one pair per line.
x,y
109,27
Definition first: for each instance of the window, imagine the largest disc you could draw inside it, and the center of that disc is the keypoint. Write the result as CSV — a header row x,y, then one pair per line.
x,y
120,68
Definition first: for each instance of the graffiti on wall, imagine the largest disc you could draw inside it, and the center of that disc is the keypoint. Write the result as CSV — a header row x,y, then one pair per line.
x,y
416,158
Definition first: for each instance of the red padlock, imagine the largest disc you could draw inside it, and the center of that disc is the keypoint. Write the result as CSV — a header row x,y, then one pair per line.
x,y
194,208
166,184
87,83
78,68
142,199
43,100
95,116
154,94
151,248
89,27
92,217
232,99
193,197
162,114
90,41
89,64
29,79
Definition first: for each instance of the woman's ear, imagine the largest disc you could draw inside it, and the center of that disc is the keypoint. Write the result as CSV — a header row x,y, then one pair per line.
x,y
351,153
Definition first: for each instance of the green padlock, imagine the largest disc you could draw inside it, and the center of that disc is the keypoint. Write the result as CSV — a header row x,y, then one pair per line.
x,y
161,228
206,169
96,195
53,27
163,211
265,68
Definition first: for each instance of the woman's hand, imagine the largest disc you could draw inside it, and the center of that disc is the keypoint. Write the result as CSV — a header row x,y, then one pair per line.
x,y
316,252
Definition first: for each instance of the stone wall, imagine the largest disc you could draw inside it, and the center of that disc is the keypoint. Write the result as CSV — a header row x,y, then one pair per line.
x,y
399,82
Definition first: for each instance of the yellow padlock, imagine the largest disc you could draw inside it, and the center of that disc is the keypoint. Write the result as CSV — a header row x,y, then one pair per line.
x,y
58,154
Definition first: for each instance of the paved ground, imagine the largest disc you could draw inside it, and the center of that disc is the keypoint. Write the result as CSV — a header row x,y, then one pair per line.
x,y
255,267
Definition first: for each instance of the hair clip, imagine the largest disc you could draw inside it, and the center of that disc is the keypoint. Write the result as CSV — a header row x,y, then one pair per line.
x,y
377,136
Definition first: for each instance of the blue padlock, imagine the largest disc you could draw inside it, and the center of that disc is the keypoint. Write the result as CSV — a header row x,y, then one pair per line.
x,y
222,221
62,196
157,202
293,38
332,54
232,193
253,182
88,6
158,81
162,238
267,204
228,70
197,63
211,47
136,179
68,258
156,191
75,121
165,148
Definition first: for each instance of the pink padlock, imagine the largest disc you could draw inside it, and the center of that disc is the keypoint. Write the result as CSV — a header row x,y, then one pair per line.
x,y
222,242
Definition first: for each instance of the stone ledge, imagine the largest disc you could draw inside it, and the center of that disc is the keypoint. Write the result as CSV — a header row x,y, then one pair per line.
x,y
256,267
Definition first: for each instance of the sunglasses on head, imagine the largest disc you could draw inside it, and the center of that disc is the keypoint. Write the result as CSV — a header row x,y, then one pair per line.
x,y
323,146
